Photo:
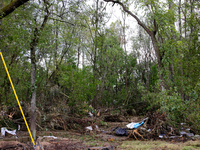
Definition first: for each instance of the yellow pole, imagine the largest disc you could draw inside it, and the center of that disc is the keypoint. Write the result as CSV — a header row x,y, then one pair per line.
x,y
17,99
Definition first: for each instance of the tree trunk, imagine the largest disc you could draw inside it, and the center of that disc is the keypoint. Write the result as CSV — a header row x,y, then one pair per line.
x,y
124,43
33,92
33,45
94,101
173,37
179,19
78,53
83,62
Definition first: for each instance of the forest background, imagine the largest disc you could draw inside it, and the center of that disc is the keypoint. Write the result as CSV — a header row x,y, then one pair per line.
x,y
63,57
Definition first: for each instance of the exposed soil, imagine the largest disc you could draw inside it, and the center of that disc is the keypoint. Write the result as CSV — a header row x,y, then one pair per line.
x,y
74,136
60,140
73,140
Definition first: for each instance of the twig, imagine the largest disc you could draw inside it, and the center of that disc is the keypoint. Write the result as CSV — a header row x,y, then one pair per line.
x,y
39,126
64,94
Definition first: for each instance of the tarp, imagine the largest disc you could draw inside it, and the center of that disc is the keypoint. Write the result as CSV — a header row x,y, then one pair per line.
x,y
134,125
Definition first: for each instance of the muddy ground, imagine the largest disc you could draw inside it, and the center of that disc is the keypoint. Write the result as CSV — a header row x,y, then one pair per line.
x,y
66,140
61,132
94,140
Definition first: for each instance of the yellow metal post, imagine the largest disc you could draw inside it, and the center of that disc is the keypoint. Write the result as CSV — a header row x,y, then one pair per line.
x,y
17,98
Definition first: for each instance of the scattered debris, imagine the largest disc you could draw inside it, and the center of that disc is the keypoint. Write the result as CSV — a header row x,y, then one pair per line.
x,y
137,133
98,113
196,137
110,139
50,137
90,114
18,127
4,130
134,125
11,115
154,126
183,133
120,131
14,145
91,128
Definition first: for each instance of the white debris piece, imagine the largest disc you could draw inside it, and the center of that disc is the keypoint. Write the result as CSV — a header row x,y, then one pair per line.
x,y
97,128
18,127
4,130
134,125
50,137
89,128
91,115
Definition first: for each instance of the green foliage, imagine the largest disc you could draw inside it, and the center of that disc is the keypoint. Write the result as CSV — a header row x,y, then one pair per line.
x,y
109,76
177,110
5,122
103,123
78,82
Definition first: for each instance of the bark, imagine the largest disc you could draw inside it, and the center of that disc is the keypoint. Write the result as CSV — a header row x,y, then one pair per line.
x,y
33,91
94,101
11,7
173,37
79,48
124,43
33,45
179,19
180,32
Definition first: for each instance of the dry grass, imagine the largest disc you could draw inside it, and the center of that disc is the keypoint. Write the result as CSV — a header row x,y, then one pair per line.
x,y
159,145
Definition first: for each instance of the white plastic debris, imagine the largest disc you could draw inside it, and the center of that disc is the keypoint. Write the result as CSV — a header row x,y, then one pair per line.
x,y
91,115
182,133
2,113
134,125
50,137
4,130
160,136
149,130
89,128
97,128
18,127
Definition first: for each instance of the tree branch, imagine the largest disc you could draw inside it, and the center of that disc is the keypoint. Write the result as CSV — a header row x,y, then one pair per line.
x,y
130,13
11,7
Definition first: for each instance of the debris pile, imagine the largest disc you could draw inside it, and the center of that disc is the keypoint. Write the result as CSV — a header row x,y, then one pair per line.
x,y
108,127
68,123
154,126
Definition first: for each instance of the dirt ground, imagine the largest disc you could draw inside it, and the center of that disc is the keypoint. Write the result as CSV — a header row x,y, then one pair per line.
x,y
92,140
71,134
